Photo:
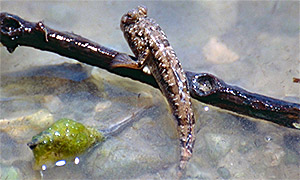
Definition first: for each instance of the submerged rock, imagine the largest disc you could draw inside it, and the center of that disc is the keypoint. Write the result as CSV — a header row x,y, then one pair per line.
x,y
224,172
22,127
273,154
148,146
218,145
63,141
9,172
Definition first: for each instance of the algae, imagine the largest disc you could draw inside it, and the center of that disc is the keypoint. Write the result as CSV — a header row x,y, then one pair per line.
x,y
64,140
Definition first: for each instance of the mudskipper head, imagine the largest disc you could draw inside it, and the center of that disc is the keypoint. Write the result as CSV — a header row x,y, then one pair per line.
x,y
133,16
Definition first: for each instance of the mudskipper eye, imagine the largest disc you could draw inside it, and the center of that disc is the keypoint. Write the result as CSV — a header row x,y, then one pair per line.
x,y
132,15
143,10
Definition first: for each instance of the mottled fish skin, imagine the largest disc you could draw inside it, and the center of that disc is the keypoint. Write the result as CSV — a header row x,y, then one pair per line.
x,y
150,45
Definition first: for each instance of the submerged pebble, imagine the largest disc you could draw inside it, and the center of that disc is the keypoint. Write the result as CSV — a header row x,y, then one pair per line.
x,y
244,147
101,106
19,128
291,157
273,155
218,145
218,52
62,142
224,172
52,103
9,172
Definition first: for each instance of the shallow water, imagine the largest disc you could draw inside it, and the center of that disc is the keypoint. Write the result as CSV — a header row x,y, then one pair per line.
x,y
254,45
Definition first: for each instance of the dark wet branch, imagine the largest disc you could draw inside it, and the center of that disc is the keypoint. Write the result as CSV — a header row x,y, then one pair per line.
x,y
296,80
204,87
211,90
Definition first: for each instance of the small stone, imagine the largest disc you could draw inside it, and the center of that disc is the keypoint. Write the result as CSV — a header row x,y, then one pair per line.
x,y
273,155
19,127
258,143
218,145
292,142
224,173
101,106
195,172
217,52
291,157
9,173
52,103
244,147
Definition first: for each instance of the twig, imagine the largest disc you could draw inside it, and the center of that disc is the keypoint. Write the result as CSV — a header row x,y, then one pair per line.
x,y
204,87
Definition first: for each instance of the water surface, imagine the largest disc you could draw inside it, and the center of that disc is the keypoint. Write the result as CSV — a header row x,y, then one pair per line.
x,y
254,45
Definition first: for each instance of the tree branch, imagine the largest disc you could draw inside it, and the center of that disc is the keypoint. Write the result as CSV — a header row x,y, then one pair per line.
x,y
203,86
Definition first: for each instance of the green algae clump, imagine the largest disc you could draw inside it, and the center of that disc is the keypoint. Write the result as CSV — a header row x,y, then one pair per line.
x,y
64,140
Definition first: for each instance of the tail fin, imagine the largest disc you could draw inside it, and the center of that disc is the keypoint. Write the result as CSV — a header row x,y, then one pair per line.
x,y
184,158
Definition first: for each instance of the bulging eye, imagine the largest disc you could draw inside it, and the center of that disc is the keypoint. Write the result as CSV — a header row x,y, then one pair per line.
x,y
129,18
143,10
132,15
